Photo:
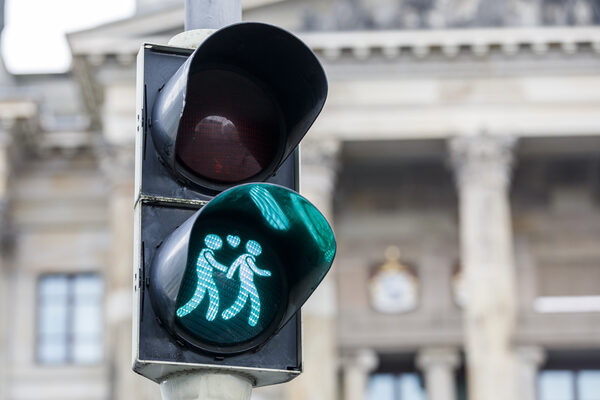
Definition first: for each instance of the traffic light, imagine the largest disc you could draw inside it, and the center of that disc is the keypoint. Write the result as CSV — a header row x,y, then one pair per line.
x,y
226,251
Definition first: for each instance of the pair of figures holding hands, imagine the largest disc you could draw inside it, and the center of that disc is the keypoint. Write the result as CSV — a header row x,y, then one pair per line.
x,y
246,267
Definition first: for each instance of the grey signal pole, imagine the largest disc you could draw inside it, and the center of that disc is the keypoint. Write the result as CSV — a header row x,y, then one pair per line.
x,y
211,14
201,16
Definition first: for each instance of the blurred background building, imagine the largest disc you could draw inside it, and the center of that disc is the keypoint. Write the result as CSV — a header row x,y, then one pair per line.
x,y
458,158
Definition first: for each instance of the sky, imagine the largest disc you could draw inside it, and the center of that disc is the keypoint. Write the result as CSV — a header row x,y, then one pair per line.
x,y
33,40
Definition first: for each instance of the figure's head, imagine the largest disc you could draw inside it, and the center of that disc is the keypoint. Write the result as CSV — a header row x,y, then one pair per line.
x,y
213,242
253,247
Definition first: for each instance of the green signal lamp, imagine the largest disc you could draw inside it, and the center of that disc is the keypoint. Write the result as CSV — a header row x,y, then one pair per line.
x,y
234,273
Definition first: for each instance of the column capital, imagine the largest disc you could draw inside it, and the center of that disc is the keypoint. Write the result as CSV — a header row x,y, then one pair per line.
x,y
532,355
320,152
319,166
482,160
363,359
438,356
6,136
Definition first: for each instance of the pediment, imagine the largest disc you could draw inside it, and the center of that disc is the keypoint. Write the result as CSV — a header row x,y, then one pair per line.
x,y
125,36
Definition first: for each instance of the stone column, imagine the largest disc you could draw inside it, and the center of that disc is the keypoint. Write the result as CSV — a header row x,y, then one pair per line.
x,y
438,365
482,166
118,165
320,359
530,358
118,170
357,368
5,169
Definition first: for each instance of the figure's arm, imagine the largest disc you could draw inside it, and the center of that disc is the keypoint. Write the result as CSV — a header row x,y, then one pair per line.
x,y
258,271
212,261
233,268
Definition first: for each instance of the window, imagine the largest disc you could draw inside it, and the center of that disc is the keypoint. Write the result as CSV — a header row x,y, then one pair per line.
x,y
569,385
403,386
69,326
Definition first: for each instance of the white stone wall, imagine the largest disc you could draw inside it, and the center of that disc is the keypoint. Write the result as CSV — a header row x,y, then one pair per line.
x,y
60,226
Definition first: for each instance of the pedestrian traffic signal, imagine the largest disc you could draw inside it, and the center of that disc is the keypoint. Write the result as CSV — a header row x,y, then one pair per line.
x,y
226,252
239,269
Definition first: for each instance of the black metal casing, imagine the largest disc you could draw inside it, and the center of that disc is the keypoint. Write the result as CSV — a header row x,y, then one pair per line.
x,y
287,68
165,199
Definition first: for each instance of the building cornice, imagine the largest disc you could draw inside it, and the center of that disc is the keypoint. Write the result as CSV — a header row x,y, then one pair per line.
x,y
391,44
451,42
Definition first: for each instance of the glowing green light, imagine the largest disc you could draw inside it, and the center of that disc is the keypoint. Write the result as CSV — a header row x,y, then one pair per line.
x,y
316,225
247,269
204,269
234,241
269,208
272,247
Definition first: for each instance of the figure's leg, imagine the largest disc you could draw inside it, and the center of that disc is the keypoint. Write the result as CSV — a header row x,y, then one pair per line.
x,y
213,307
193,302
237,306
255,306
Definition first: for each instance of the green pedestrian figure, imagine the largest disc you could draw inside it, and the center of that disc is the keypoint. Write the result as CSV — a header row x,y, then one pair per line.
x,y
247,268
204,269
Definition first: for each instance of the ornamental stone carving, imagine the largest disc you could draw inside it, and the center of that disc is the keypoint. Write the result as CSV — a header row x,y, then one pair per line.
x,y
482,160
418,14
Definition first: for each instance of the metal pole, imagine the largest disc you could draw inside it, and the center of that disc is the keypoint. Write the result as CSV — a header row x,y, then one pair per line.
x,y
206,15
206,386
211,14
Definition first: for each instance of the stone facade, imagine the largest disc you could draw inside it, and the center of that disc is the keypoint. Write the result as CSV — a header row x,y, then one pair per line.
x,y
470,145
